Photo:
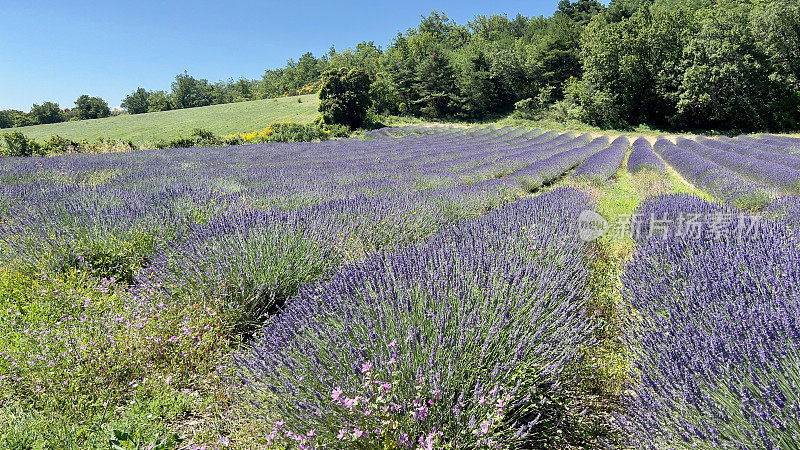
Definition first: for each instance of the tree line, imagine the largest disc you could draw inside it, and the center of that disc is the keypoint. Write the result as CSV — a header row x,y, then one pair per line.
x,y
86,107
671,64
724,65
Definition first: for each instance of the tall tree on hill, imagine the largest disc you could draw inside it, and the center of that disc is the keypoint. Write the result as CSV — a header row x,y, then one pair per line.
x,y
47,112
190,92
344,96
91,107
137,102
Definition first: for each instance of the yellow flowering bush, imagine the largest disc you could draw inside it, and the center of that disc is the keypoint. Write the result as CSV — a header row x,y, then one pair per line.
x,y
291,132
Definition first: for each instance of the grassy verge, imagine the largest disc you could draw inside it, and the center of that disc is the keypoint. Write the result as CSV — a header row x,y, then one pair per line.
x,y
81,365
608,364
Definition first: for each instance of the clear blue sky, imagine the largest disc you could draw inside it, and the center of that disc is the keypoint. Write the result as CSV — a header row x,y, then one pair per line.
x,y
58,50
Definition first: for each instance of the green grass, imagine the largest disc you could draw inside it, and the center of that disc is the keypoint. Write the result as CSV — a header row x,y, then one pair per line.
x,y
545,124
608,363
221,119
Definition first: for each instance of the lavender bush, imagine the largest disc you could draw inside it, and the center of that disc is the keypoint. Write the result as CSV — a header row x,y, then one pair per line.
x,y
601,166
547,170
772,174
718,341
412,348
714,178
643,157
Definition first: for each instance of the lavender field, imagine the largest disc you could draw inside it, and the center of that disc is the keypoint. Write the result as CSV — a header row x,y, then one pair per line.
x,y
424,287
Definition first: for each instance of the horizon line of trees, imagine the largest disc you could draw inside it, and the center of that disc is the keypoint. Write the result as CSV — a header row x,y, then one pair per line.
x,y
86,107
725,65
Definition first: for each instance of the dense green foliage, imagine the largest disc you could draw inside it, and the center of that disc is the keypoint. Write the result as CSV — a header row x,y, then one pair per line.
x,y
86,107
718,65
726,65
47,112
344,97
91,108
16,144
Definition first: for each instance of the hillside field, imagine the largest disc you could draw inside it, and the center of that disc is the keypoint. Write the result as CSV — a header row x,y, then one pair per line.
x,y
451,287
221,119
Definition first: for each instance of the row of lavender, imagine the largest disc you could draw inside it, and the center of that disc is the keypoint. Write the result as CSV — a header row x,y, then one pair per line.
x,y
746,171
718,293
199,223
712,177
465,340
407,339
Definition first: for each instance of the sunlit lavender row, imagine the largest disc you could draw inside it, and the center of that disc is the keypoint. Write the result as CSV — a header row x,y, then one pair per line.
x,y
717,346
457,340
422,287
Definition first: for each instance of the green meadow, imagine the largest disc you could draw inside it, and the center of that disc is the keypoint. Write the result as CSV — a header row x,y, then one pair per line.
x,y
221,119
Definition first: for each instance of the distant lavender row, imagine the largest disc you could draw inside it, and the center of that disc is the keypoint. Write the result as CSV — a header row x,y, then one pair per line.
x,y
766,172
643,157
440,342
719,342
712,177
783,144
605,163
547,170
243,227
756,149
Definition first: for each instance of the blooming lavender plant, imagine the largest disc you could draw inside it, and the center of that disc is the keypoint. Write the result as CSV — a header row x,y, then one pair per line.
x,y
455,341
718,341
547,170
601,166
643,157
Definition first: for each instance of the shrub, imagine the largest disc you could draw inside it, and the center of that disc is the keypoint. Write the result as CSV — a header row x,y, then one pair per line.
x,y
413,347
528,108
291,132
182,142
58,144
17,144
102,145
204,138
344,97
